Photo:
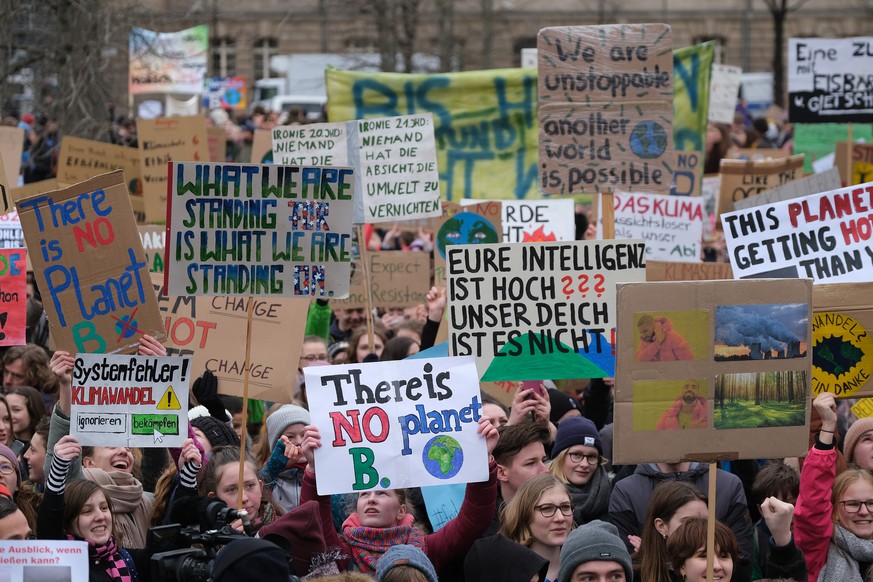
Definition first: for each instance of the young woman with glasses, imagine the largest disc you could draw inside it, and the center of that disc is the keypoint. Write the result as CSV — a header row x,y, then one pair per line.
x,y
577,461
833,520
540,517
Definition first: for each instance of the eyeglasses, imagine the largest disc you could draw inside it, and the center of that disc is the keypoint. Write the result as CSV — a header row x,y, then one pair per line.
x,y
549,509
8,469
313,357
576,457
853,506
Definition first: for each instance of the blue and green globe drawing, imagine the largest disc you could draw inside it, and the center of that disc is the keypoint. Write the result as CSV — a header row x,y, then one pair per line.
x,y
442,457
648,140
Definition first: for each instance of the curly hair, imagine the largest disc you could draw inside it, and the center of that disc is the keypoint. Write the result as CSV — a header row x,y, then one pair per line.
x,y
38,372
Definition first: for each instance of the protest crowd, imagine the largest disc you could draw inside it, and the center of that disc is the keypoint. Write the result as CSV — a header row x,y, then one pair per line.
x,y
527,430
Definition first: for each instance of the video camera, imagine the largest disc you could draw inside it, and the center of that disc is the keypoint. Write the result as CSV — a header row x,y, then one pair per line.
x,y
203,522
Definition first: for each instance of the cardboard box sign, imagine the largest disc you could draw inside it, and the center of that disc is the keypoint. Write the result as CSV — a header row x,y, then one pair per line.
x,y
397,279
89,264
842,328
605,97
712,370
669,271
741,179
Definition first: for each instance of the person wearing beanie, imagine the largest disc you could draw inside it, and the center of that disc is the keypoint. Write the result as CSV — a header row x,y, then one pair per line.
x,y
563,406
213,433
404,557
282,471
247,557
10,471
596,550
577,461
858,445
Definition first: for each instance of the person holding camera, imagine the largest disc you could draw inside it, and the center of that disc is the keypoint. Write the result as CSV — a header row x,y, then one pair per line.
x,y
82,510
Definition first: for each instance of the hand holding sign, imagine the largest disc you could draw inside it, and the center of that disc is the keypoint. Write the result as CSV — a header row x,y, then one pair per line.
x,y
489,433
149,346
68,448
311,441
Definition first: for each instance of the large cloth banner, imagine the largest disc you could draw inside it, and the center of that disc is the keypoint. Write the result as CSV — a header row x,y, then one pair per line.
x,y
691,82
269,230
825,237
485,123
397,424
168,62
829,80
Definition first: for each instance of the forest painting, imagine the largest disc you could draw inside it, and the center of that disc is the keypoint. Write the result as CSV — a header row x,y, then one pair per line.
x,y
760,399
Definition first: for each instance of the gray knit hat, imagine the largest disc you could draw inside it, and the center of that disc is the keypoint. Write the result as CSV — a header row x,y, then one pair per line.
x,y
287,415
405,555
593,542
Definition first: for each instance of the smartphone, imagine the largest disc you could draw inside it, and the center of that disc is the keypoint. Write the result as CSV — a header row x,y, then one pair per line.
x,y
535,385
19,447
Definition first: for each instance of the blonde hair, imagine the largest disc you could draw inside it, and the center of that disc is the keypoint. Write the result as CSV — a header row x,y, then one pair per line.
x,y
556,465
843,481
519,512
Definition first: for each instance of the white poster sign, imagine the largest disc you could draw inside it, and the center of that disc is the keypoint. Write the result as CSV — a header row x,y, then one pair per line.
x,y
724,89
672,226
43,561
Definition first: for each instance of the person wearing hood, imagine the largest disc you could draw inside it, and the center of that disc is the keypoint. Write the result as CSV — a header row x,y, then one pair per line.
x,y
629,502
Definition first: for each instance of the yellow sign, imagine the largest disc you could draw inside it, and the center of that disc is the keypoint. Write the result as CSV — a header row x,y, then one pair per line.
x,y
863,408
169,401
842,354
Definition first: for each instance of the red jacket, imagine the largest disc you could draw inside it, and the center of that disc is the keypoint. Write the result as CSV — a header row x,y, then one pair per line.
x,y
450,542
674,346
813,523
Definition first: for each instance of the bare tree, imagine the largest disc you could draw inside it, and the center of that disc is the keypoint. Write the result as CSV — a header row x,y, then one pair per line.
x,y
779,10
397,27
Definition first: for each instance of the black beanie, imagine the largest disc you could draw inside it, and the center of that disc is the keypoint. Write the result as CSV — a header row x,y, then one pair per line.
x,y
218,433
246,558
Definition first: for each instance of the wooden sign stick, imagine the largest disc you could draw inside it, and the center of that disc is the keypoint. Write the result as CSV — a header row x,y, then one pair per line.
x,y
362,250
710,522
245,406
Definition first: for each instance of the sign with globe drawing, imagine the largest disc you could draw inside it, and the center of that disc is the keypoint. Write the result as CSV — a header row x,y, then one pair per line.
x,y
605,108
381,423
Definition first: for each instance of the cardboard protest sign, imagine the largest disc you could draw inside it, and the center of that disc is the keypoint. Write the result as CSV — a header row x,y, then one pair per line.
x,y
269,230
261,147
672,226
217,139
842,339
317,144
11,146
130,401
687,173
13,297
828,80
395,158
825,237
11,235
819,140
44,560
168,62
80,159
829,180
680,392
538,310
228,93
862,163
154,242
90,266
397,424
723,90
164,140
605,99
33,188
397,279
863,408
479,223
209,331
674,271
741,179
443,503
756,154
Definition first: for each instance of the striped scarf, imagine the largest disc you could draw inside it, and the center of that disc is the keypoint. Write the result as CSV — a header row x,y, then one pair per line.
x,y
369,543
111,557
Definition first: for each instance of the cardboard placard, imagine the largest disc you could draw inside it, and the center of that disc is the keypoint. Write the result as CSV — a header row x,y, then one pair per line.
x,y
208,329
741,179
825,237
842,324
605,99
262,152
706,271
217,144
33,188
11,147
80,159
44,560
130,401
707,406
397,279
672,226
90,266
687,173
267,230
823,182
723,90
756,154
395,158
13,297
827,80
423,431
164,140
538,310
862,163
